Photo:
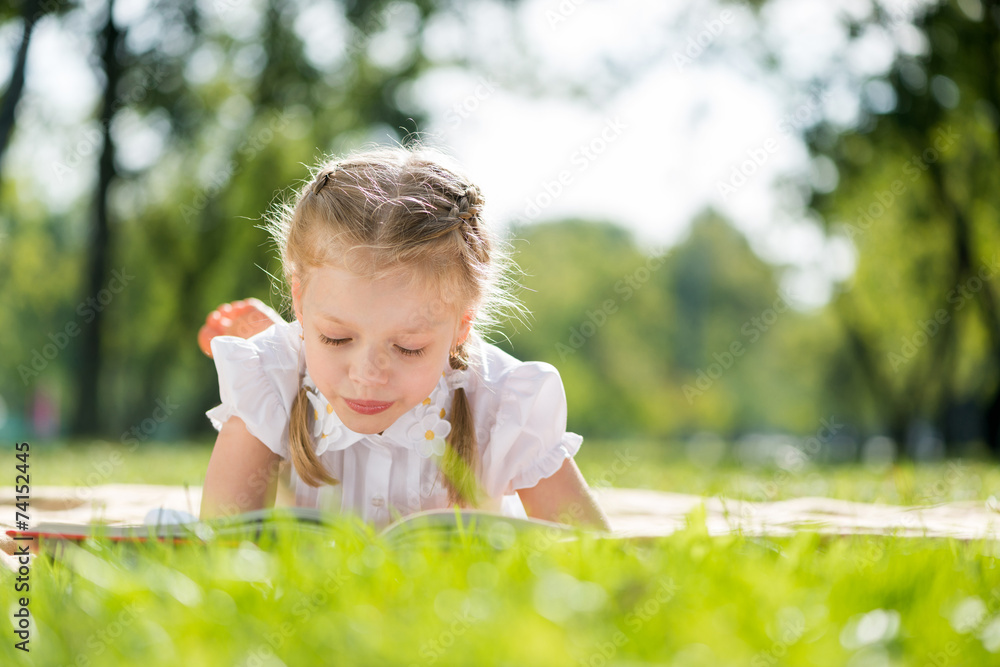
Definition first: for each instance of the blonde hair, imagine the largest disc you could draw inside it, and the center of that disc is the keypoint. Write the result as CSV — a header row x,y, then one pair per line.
x,y
389,208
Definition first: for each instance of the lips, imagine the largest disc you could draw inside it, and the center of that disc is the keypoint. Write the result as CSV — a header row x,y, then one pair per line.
x,y
367,407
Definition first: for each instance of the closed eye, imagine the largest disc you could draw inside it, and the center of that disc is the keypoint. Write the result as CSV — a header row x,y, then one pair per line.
x,y
333,341
336,342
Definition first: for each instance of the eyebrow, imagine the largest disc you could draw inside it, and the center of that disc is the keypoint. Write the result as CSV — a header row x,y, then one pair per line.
x,y
412,330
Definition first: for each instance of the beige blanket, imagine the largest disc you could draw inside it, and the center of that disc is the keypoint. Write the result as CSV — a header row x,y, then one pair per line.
x,y
633,512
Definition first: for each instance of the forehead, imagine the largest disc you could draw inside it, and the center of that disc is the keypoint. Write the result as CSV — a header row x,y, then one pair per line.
x,y
400,302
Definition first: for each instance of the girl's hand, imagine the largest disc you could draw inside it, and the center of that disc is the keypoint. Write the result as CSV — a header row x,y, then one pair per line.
x,y
564,498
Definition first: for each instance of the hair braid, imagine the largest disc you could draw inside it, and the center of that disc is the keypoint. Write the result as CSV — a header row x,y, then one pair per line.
x,y
460,465
300,444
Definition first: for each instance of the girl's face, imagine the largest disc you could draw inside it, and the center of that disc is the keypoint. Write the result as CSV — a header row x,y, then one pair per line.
x,y
374,347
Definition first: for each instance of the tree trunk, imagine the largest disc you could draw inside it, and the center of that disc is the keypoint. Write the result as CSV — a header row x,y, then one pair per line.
x,y
991,424
897,411
991,413
31,14
87,417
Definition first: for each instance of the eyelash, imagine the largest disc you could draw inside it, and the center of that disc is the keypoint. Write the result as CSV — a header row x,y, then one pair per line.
x,y
337,342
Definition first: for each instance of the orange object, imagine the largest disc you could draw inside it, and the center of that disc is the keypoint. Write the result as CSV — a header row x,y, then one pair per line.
x,y
244,318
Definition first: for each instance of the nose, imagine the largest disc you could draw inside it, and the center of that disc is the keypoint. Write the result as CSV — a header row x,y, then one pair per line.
x,y
370,367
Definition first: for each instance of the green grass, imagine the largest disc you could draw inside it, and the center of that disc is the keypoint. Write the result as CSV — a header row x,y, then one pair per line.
x,y
350,598
629,464
688,599
650,465
90,463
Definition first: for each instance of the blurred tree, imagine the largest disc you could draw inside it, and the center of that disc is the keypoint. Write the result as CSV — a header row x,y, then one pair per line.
x,y
698,339
749,358
32,11
207,109
918,178
294,109
12,95
229,102
87,415
590,314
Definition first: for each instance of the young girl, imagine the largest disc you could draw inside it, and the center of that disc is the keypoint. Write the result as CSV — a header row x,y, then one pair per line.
x,y
382,393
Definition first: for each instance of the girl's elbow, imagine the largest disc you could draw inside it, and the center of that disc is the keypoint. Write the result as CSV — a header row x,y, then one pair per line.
x,y
593,516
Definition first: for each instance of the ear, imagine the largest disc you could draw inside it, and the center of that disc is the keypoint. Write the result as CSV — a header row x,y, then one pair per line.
x,y
297,298
465,326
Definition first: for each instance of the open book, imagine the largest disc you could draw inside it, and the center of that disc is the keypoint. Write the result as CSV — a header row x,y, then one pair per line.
x,y
435,525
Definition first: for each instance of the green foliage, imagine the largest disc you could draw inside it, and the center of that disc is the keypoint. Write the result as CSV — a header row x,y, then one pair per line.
x,y
187,227
699,338
916,197
807,599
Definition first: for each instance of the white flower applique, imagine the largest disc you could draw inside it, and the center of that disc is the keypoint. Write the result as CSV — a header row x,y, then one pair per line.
x,y
324,424
431,428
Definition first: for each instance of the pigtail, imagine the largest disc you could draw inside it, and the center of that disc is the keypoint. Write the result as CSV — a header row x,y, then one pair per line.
x,y
300,444
460,464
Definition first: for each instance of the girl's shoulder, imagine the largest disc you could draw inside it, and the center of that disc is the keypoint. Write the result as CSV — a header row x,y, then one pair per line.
x,y
520,412
277,347
259,378
499,374
267,364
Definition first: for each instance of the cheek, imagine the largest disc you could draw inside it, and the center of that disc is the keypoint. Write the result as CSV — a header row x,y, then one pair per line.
x,y
324,368
418,383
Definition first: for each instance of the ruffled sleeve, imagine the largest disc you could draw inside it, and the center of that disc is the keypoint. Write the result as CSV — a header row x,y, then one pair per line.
x,y
529,441
258,380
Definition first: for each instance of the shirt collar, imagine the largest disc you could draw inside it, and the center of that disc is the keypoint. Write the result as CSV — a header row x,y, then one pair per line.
x,y
423,428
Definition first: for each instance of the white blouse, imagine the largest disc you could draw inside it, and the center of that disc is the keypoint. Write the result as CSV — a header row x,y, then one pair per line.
x,y
519,410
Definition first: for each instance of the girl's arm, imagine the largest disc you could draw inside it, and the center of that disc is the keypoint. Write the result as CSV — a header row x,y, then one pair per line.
x,y
242,473
564,498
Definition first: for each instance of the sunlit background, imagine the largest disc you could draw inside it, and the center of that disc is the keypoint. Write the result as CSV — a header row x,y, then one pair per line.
x,y
767,229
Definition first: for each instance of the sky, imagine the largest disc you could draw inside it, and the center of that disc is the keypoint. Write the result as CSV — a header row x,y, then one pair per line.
x,y
676,117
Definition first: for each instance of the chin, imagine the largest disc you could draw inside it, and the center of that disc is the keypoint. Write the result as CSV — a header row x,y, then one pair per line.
x,y
367,429
367,424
